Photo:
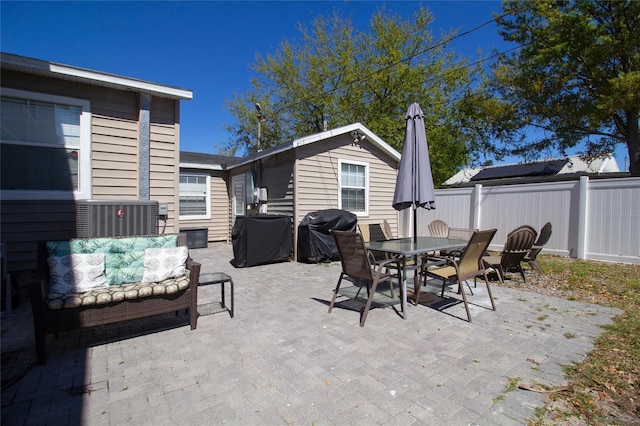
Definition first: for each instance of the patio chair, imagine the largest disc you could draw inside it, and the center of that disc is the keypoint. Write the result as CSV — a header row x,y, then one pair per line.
x,y
519,242
469,265
543,238
438,228
356,263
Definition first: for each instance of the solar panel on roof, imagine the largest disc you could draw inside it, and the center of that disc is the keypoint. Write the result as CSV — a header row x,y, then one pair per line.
x,y
542,168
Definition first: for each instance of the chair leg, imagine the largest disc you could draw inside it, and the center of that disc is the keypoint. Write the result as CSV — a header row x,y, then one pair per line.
x,y
486,280
417,285
536,266
464,299
363,317
500,273
522,273
335,292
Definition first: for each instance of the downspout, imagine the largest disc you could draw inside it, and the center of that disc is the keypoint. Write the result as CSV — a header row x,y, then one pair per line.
x,y
295,207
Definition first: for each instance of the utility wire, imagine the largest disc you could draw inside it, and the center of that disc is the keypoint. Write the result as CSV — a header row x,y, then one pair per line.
x,y
366,77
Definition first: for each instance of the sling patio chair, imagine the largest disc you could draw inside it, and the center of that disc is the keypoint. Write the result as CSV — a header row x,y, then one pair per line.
x,y
543,238
356,263
519,242
469,265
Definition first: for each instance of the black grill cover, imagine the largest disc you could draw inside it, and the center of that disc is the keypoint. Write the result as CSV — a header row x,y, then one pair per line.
x,y
315,242
261,239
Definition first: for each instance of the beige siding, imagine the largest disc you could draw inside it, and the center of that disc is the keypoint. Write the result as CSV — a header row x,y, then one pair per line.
x,y
317,178
114,159
26,222
218,225
278,179
164,160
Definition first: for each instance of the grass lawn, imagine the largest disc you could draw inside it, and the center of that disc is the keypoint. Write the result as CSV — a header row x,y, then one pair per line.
x,y
605,387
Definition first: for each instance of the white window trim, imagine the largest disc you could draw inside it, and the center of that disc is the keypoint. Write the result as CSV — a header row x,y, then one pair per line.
x,y
366,185
207,215
85,171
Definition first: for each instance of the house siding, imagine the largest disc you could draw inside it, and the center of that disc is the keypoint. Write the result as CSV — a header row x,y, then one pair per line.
x,y
317,178
278,179
218,225
114,160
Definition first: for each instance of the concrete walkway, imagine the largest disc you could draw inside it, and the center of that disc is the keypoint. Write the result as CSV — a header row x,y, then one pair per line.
x,y
284,360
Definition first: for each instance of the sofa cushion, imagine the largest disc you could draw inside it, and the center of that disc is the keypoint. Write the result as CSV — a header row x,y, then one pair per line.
x,y
163,263
124,256
76,273
110,244
109,294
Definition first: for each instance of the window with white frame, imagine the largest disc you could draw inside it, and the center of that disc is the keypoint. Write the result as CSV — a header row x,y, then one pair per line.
x,y
45,146
353,191
195,198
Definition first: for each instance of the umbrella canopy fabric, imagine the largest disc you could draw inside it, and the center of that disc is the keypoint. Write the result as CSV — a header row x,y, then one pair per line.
x,y
414,185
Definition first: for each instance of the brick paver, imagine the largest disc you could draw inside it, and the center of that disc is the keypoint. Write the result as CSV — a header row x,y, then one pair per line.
x,y
284,360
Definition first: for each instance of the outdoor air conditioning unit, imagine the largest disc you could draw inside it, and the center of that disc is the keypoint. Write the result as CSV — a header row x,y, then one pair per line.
x,y
116,218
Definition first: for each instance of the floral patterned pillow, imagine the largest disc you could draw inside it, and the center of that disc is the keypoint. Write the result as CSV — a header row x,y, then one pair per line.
x,y
76,273
163,263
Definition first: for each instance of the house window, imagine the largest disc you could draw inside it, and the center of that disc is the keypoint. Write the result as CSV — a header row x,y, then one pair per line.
x,y
45,146
353,194
195,198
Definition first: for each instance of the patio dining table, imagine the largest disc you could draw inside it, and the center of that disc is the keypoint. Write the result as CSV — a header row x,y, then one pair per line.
x,y
406,248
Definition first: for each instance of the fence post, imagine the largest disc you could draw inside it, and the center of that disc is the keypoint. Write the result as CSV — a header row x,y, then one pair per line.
x,y
581,248
476,206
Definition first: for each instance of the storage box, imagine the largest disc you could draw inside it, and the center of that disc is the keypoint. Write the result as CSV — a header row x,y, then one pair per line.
x,y
196,237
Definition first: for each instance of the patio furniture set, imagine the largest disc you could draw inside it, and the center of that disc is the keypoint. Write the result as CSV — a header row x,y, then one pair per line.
x,y
452,255
86,282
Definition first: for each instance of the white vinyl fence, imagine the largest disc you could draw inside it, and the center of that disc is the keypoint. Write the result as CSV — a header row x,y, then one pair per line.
x,y
592,219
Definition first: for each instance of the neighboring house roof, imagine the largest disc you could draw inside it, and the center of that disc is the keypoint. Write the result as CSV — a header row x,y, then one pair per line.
x,y
551,169
83,75
198,160
210,161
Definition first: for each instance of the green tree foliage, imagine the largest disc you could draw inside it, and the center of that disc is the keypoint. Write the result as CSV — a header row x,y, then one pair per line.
x,y
575,78
337,75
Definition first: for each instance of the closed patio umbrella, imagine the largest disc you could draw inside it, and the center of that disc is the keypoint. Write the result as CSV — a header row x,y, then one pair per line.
x,y
414,185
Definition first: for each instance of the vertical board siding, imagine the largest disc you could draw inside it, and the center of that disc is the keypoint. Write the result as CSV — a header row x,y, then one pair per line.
x,y
452,207
613,217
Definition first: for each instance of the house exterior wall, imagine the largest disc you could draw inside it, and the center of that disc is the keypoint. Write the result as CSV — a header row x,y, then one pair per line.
x,y
218,224
114,163
317,178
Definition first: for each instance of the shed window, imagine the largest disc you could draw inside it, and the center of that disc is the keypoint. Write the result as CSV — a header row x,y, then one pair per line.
x,y
194,196
45,146
354,187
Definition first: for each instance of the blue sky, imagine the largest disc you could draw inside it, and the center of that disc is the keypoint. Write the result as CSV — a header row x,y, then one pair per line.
x,y
204,46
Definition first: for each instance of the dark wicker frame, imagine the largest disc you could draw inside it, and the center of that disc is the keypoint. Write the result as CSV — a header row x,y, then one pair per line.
x,y
48,321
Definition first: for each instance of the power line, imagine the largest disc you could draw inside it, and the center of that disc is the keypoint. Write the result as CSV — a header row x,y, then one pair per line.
x,y
366,77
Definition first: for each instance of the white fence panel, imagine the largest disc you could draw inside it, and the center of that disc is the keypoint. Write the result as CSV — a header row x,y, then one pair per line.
x,y
613,220
452,206
593,219
507,207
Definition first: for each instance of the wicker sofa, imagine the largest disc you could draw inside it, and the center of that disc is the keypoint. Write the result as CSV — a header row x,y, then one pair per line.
x,y
128,288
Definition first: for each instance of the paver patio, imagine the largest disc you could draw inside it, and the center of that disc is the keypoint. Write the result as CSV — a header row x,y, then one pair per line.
x,y
284,360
